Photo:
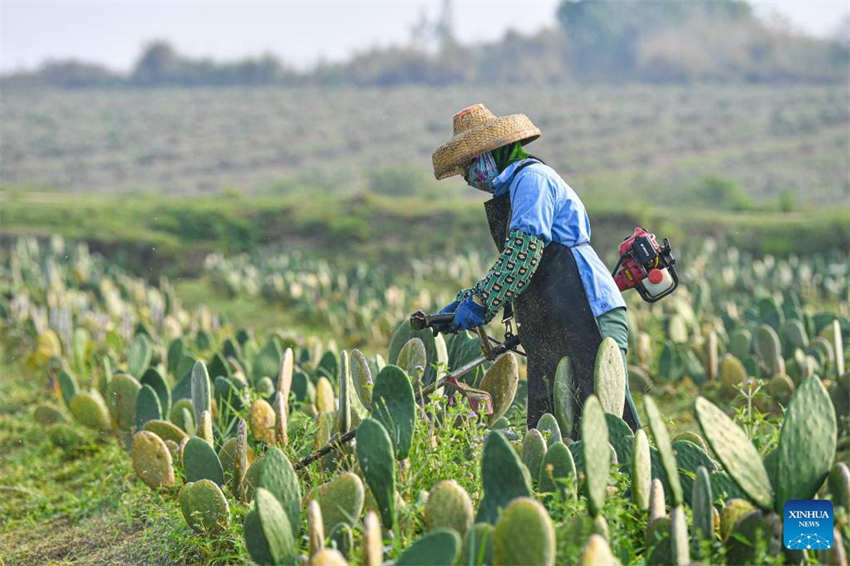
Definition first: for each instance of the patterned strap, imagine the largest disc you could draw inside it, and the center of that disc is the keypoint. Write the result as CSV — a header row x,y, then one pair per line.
x,y
511,273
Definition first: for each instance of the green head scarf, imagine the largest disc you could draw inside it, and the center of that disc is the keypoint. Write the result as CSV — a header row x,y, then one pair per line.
x,y
507,154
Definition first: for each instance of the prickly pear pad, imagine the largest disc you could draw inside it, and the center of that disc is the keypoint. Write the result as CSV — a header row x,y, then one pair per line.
x,y
735,451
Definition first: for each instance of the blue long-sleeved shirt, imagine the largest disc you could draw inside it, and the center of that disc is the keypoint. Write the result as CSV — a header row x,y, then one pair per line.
x,y
544,205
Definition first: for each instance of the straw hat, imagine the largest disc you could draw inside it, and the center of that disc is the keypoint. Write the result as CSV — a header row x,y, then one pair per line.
x,y
477,130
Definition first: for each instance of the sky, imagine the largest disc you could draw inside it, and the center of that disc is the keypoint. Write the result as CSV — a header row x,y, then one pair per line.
x,y
301,33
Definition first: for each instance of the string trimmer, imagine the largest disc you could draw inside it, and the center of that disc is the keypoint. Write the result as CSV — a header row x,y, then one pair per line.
x,y
479,401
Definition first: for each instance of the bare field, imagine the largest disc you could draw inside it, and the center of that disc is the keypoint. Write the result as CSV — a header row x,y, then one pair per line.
x,y
650,142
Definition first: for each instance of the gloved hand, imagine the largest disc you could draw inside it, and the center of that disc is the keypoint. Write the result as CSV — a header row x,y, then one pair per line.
x,y
444,326
469,314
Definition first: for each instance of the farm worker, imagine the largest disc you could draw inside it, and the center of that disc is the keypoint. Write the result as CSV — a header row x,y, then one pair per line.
x,y
563,296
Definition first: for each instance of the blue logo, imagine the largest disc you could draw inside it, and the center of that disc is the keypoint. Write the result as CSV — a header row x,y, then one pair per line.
x,y
807,524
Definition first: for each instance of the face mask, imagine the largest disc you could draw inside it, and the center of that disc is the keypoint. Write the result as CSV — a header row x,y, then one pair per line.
x,y
481,172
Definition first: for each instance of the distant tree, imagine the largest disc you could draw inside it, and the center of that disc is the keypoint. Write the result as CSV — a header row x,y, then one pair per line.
x,y
158,63
604,34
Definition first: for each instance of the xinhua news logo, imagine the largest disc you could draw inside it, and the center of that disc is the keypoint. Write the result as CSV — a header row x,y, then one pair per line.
x,y
807,524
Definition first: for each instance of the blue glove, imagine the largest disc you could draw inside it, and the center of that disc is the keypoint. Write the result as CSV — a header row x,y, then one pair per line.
x,y
444,326
469,314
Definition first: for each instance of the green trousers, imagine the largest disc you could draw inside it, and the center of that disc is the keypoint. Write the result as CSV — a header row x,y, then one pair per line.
x,y
615,324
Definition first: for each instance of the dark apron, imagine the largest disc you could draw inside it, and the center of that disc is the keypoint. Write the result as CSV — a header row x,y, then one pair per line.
x,y
554,320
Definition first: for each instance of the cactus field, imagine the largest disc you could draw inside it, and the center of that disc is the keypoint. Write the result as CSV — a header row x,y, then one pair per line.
x,y
137,426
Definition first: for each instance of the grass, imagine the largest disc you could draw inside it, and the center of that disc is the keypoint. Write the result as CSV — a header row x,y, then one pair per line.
x,y
171,235
83,505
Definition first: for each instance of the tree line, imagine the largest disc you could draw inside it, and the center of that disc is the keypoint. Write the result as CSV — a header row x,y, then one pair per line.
x,y
606,40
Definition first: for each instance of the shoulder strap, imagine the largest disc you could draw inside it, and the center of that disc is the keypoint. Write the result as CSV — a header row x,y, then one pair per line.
x,y
530,160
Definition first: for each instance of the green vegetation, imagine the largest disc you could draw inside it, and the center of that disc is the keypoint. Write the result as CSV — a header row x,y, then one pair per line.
x,y
194,486
633,146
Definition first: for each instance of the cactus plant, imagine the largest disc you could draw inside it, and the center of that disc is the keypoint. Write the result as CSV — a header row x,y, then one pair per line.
x,y
201,395
597,459
448,505
181,416
204,507
328,365
733,511
439,547
154,379
228,455
284,375
412,359
832,333
344,407
277,476
67,386
547,424
315,528
205,430
152,460
477,545
121,396
609,377
325,402
373,547
267,362
563,394
839,485
375,455
524,534
201,462
621,438
342,539
533,450
769,349
89,409
268,534
732,372
262,420
341,500
435,348
735,451
147,406
139,355
361,376
328,557
657,508
557,466
711,362
689,457
702,507
503,477
500,381
165,430
679,543
281,436
807,442
794,336
641,471
48,415
597,553
394,406
755,526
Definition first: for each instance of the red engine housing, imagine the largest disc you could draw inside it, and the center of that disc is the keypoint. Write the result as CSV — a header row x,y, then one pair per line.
x,y
641,257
